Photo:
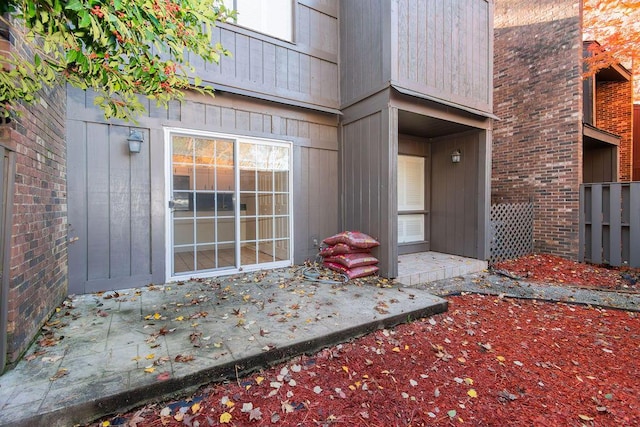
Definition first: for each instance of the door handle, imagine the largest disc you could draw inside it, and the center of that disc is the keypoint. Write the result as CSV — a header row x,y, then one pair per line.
x,y
172,204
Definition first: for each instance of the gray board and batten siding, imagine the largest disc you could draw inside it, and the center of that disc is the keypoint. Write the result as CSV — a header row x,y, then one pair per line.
x,y
117,204
438,49
423,69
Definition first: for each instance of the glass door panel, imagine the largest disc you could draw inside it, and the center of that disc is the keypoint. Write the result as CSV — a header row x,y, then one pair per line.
x,y
203,214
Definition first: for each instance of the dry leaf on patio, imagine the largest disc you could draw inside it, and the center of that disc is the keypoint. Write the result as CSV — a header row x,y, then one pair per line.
x,y
61,373
183,358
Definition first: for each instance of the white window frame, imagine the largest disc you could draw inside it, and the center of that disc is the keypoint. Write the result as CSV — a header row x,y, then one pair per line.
x,y
267,25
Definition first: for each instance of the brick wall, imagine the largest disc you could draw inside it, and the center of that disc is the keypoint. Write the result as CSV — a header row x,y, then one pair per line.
x,y
614,113
537,143
38,273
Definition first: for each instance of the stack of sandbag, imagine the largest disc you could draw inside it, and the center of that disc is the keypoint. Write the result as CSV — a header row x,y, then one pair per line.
x,y
349,253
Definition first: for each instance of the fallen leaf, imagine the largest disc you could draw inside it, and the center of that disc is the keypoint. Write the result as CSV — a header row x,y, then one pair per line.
x,y
225,418
255,414
149,370
183,358
61,373
472,393
585,417
163,376
317,389
195,408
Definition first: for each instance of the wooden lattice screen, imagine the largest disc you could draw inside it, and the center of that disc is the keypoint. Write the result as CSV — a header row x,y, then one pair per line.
x,y
511,231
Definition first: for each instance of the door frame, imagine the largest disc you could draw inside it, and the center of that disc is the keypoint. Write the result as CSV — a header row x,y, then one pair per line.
x,y
169,276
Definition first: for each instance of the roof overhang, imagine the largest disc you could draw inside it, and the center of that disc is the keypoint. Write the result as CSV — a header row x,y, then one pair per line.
x,y
475,111
598,135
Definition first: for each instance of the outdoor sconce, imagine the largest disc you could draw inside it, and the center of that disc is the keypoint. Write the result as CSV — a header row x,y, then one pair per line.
x,y
456,156
135,141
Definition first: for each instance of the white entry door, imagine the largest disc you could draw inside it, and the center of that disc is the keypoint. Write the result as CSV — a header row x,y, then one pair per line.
x,y
411,199
229,204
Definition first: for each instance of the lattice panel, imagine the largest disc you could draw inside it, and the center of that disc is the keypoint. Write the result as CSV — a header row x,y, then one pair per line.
x,y
511,231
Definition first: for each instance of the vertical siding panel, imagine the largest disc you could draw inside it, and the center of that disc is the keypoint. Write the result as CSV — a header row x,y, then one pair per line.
x,y
441,45
303,27
256,122
301,197
267,123
456,70
431,42
269,64
403,39
315,80
228,64
470,208
293,71
228,118
213,116
241,55
119,203
141,210
243,121
412,42
256,63
97,201
282,56
421,15
77,204
447,46
212,68
466,53
305,74
328,72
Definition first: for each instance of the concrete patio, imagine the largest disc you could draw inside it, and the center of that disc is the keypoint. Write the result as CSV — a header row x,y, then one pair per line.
x,y
426,267
109,352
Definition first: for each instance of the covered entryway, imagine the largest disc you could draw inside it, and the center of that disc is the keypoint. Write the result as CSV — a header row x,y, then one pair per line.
x,y
229,204
416,176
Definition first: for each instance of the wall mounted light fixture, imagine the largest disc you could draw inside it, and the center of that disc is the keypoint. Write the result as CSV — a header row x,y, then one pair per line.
x,y
135,141
456,156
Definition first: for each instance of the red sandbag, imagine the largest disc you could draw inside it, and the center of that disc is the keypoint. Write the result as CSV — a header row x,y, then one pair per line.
x,y
354,239
340,248
352,273
353,260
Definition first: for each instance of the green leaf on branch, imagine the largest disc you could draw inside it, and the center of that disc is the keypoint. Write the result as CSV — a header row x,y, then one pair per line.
x,y
119,48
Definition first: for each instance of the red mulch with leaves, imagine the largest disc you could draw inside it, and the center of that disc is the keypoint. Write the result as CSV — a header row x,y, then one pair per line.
x,y
488,361
554,269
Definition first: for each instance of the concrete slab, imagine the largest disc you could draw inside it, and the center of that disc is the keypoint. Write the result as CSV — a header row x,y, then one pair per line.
x,y
426,267
122,350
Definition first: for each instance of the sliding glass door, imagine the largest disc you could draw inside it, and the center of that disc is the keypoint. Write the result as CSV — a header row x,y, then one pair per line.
x,y
229,203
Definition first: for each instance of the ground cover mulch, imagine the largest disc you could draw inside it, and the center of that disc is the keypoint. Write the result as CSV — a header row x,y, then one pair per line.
x,y
543,268
488,361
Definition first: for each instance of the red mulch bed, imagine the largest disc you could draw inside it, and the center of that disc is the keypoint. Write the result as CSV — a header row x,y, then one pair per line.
x,y
488,361
554,269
